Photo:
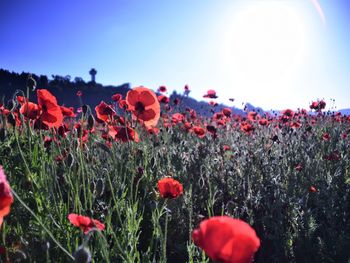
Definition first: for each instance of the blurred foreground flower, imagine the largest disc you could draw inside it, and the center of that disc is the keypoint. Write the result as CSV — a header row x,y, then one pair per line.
x,y
227,240
6,198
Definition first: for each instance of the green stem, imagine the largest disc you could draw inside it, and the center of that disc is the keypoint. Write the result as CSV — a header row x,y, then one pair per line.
x,y
42,225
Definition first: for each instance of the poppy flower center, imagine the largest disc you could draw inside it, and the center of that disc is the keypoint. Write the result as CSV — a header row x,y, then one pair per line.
x,y
139,107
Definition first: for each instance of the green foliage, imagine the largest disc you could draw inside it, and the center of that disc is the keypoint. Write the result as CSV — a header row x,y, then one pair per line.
x,y
255,181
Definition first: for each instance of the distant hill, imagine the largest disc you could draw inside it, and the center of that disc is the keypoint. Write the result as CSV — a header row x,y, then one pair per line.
x,y
66,89
63,88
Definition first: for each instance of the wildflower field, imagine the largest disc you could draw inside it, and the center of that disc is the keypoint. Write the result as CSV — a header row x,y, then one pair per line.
x,y
141,179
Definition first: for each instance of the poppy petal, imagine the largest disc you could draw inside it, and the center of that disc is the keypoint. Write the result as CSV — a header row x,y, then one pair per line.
x,y
147,98
132,97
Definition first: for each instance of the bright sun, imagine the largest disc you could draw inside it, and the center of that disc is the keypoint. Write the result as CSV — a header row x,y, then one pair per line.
x,y
266,43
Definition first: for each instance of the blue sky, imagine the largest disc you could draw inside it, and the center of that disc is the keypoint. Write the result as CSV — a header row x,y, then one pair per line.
x,y
271,53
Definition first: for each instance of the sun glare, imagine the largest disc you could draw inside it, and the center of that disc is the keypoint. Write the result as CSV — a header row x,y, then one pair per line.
x,y
266,43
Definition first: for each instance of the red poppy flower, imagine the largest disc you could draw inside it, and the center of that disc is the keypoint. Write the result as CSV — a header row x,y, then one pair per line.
x,y
226,148
227,112
177,117
321,104
162,89
122,133
163,99
313,189
213,103
51,114
122,104
326,137
117,97
176,101
67,112
295,124
30,110
6,198
169,188
144,105
314,105
288,113
199,131
333,156
218,116
21,100
2,250
252,115
299,167
246,127
263,122
210,94
153,130
79,93
104,111
85,223
187,125
227,240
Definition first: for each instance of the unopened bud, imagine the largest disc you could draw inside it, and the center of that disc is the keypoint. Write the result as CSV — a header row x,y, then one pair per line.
x,y
82,255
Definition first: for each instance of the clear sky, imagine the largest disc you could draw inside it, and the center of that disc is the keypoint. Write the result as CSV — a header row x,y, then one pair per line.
x,y
272,53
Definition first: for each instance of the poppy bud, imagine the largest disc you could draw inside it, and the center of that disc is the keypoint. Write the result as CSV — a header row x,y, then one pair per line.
x,y
19,256
312,189
91,122
2,134
10,105
84,109
45,245
11,119
31,83
82,255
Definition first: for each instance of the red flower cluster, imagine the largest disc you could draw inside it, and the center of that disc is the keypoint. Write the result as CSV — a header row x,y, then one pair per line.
x,y
318,105
169,188
47,111
227,240
85,223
